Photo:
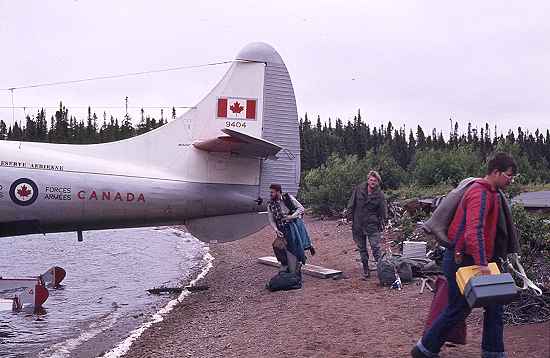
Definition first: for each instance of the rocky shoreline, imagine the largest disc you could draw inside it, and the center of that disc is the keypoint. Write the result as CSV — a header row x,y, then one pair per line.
x,y
238,317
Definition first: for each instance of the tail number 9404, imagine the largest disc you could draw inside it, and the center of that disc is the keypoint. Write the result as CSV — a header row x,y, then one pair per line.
x,y
235,124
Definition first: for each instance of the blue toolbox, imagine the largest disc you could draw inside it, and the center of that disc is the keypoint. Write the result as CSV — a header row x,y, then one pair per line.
x,y
484,290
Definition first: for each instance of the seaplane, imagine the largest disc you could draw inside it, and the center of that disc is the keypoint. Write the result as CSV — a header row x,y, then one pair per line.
x,y
209,169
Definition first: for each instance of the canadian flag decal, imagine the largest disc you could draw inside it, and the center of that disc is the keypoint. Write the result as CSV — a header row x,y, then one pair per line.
x,y
237,108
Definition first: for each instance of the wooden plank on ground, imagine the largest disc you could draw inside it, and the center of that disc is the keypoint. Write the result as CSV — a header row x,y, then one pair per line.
x,y
312,270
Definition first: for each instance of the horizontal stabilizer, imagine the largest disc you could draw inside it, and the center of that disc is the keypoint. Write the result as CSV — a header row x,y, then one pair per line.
x,y
239,143
227,227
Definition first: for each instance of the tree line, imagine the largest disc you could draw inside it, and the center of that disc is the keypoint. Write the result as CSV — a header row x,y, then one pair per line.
x,y
410,156
65,128
335,157
356,137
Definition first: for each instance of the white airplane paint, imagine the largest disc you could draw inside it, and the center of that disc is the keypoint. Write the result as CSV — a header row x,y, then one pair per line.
x,y
209,169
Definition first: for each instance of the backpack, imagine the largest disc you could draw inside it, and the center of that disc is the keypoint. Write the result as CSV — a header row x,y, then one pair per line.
x,y
284,281
438,224
386,267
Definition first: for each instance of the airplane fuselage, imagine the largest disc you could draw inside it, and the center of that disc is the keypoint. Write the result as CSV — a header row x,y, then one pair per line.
x,y
40,196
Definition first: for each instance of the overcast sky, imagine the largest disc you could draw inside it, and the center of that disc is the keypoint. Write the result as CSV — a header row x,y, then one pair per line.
x,y
409,62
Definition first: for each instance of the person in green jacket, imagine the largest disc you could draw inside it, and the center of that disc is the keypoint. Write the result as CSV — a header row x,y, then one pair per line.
x,y
367,209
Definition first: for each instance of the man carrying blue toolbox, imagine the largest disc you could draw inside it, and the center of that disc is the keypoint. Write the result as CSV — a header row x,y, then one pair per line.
x,y
480,232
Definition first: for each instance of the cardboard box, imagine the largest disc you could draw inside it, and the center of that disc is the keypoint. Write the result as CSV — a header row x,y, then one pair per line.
x,y
414,249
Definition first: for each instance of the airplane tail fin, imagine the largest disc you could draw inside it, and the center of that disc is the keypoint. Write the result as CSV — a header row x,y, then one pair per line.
x,y
272,135
253,104
280,120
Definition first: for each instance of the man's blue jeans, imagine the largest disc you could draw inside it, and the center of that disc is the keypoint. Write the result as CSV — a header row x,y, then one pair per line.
x,y
492,343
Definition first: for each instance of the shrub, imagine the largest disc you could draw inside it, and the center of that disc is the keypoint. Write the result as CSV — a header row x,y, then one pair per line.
x,y
326,190
534,237
393,176
446,166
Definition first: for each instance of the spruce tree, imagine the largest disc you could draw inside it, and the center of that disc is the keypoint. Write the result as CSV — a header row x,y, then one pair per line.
x,y
3,130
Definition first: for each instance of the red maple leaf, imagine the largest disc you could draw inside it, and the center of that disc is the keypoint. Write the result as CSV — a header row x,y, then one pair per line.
x,y
236,107
23,191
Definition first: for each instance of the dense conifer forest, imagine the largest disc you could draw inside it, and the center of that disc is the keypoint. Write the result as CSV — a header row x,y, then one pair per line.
x,y
404,156
62,127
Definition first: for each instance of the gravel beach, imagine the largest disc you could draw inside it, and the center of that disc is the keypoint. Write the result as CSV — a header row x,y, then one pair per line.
x,y
238,317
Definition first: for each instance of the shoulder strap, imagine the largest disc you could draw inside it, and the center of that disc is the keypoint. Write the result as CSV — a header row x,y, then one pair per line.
x,y
288,202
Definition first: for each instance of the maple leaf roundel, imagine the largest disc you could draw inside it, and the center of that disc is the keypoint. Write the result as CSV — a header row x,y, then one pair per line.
x,y
23,192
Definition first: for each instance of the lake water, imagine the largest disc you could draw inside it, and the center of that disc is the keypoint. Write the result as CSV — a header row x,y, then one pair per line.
x,y
105,287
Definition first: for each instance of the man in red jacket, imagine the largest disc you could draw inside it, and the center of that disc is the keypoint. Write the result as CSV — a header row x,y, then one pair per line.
x,y
472,234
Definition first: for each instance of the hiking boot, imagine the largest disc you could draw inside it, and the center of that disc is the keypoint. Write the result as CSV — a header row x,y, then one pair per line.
x,y
417,353
299,271
366,272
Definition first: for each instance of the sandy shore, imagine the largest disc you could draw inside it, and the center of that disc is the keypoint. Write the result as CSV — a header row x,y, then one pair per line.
x,y
238,317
